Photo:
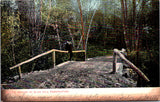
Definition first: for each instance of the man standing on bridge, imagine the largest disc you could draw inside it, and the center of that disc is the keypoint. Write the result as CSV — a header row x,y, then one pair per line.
x,y
69,47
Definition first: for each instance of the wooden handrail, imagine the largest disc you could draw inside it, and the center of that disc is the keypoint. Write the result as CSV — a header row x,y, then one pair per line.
x,y
136,69
31,59
40,55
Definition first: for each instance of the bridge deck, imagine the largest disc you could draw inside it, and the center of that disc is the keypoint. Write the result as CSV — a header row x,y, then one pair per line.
x,y
94,73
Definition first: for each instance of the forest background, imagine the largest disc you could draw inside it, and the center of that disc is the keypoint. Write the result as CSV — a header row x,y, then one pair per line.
x,y
31,27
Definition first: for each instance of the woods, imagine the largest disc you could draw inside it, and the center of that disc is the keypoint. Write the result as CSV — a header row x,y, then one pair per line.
x,y
31,27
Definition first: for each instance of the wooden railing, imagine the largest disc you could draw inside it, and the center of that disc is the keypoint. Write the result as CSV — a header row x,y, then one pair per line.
x,y
121,55
40,55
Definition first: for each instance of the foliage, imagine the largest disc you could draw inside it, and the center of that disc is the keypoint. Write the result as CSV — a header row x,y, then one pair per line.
x,y
94,51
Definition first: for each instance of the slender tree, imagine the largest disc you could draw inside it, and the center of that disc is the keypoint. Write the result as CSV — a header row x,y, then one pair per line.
x,y
89,28
124,23
46,23
71,35
134,24
81,23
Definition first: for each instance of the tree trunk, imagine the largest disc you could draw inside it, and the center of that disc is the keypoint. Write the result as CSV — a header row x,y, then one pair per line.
x,y
89,29
79,44
46,24
124,23
57,30
71,36
27,20
140,30
81,23
126,11
134,24
12,43
41,10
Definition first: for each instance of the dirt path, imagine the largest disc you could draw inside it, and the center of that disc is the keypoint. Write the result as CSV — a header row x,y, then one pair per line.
x,y
103,58
93,73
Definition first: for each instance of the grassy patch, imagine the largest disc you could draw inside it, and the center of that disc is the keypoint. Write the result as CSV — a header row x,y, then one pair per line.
x,y
94,51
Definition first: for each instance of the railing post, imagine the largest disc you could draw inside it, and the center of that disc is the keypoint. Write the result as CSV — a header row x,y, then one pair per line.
x,y
114,62
85,57
54,58
20,74
136,69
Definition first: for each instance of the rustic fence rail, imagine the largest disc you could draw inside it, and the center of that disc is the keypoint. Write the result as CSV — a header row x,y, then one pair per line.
x,y
43,54
121,55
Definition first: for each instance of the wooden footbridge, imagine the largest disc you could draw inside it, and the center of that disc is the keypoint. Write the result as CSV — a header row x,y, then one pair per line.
x,y
114,68
53,51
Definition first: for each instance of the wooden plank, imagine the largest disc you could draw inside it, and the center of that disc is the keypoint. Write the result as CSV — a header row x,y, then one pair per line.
x,y
136,69
40,55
